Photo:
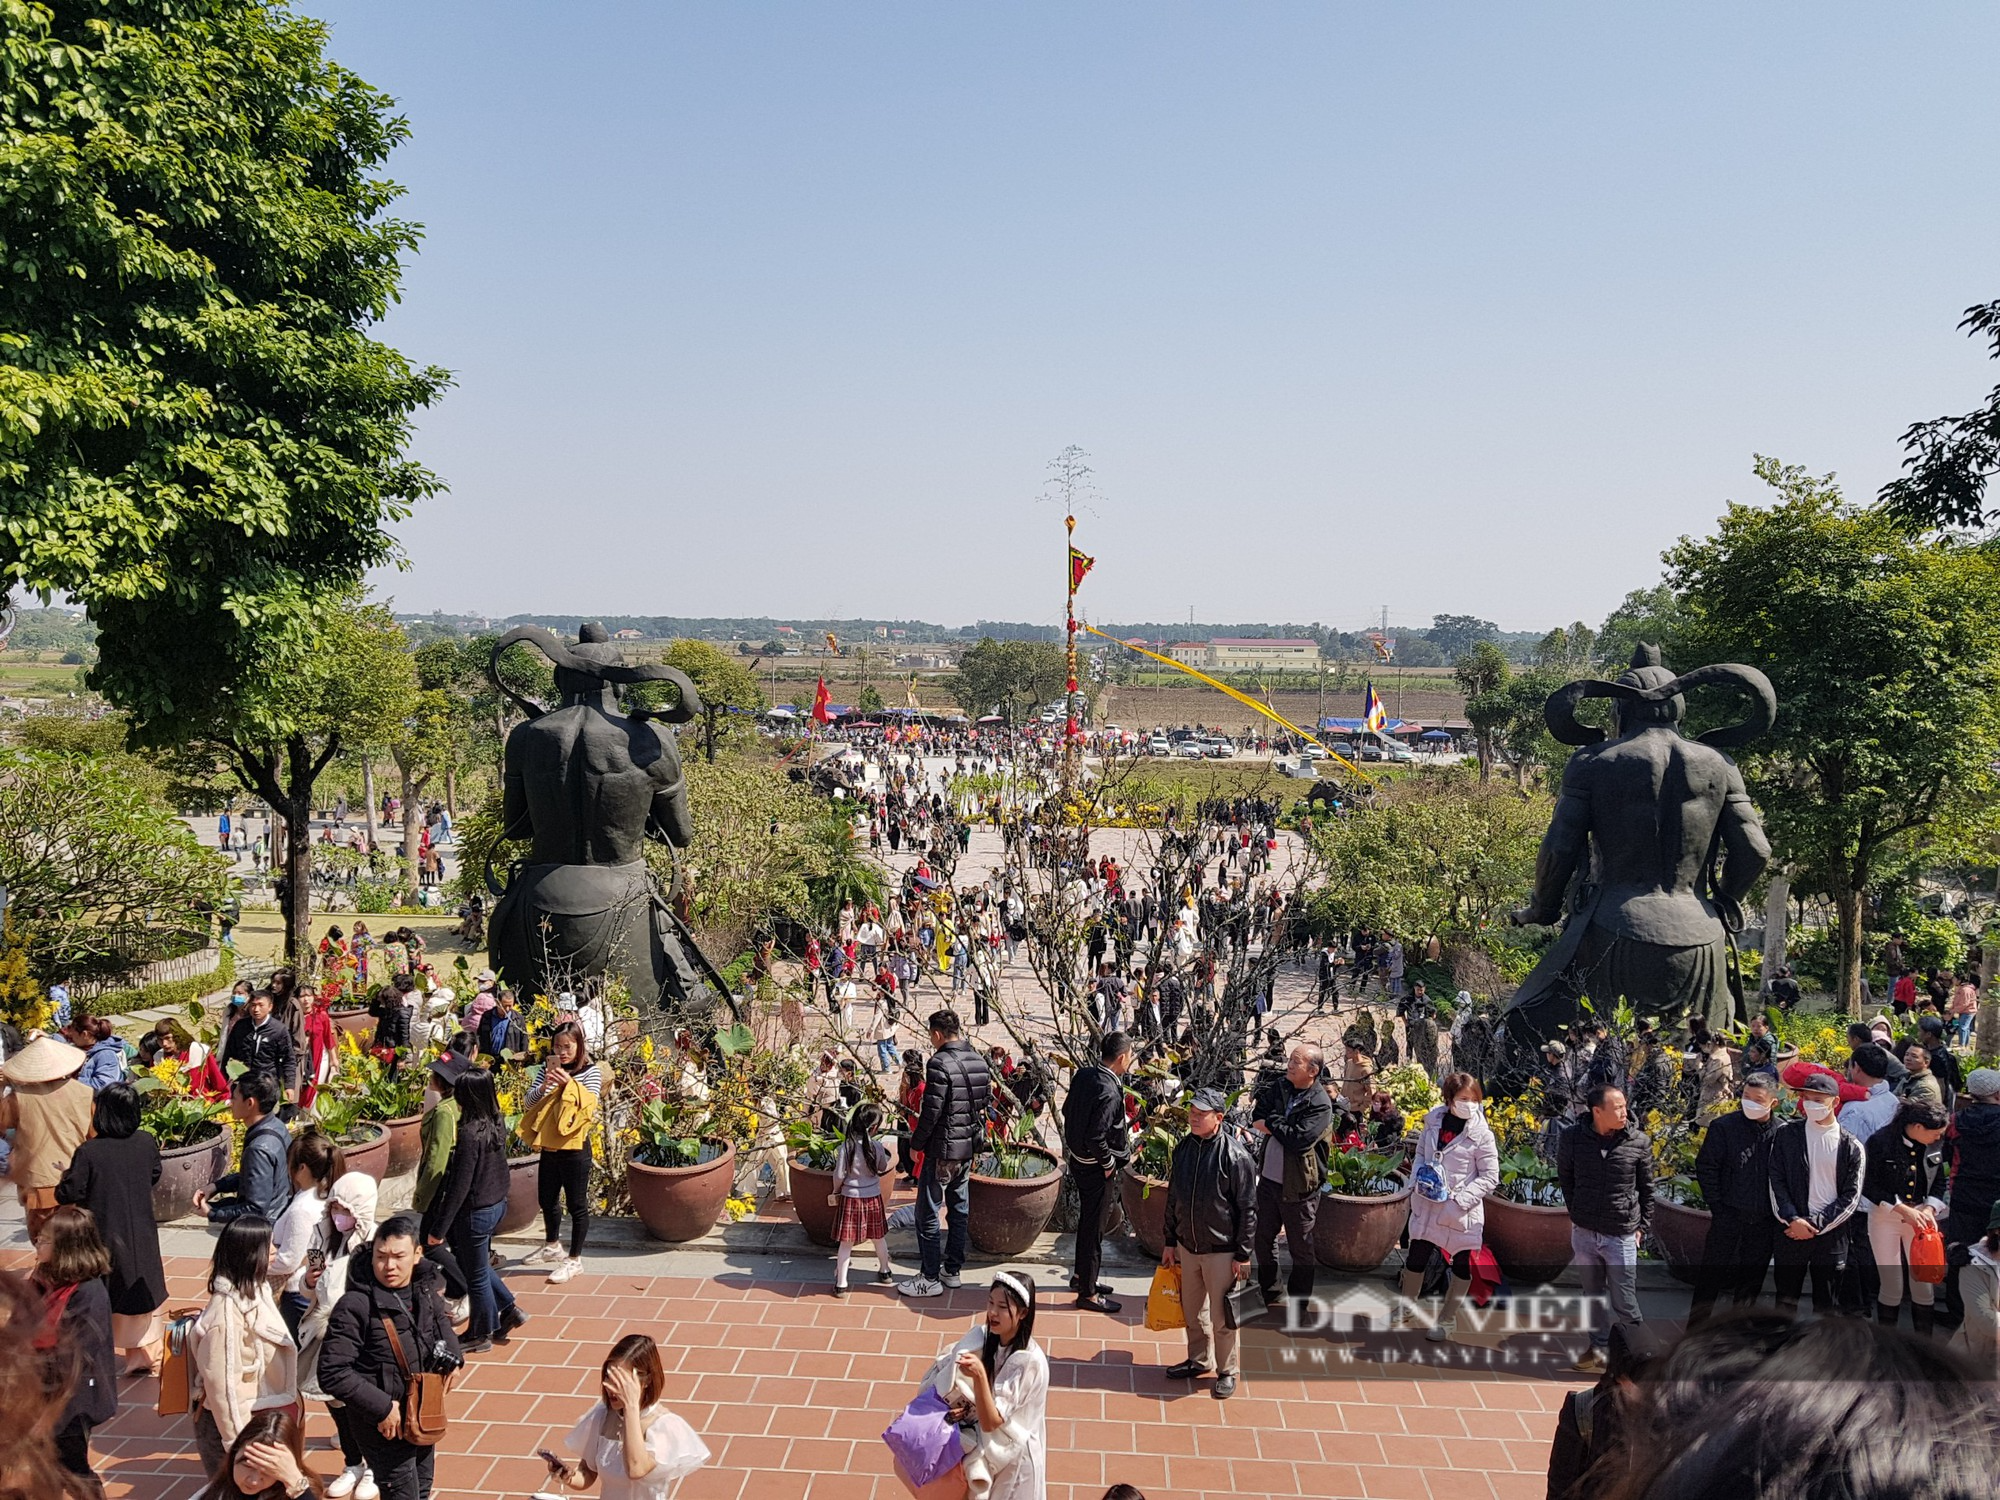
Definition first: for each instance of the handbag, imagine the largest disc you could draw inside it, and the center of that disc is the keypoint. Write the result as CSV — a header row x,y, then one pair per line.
x,y
1243,1303
1927,1258
423,1397
177,1363
1163,1300
924,1442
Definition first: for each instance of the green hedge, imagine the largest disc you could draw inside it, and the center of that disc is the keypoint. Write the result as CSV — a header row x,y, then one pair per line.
x,y
171,994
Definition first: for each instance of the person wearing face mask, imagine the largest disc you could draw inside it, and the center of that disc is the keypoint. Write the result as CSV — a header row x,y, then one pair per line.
x,y
1734,1170
348,1225
1457,1165
1816,1172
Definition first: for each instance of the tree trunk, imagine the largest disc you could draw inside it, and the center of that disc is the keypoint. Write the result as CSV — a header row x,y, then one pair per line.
x,y
1485,749
1777,907
290,799
1847,902
1986,1029
412,826
451,793
368,800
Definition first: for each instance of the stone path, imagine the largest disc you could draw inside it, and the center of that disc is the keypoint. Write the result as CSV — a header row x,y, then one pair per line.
x,y
792,1389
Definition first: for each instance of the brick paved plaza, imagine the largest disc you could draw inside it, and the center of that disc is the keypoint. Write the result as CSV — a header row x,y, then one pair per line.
x,y
792,1390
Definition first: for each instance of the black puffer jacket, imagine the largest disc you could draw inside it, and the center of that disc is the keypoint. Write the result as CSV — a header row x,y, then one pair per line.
x,y
1975,1171
957,1087
1094,1127
1607,1180
1212,1195
357,1365
1734,1164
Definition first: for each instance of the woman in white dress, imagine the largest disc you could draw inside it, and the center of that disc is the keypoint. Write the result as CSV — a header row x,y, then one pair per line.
x,y
637,1447
998,1377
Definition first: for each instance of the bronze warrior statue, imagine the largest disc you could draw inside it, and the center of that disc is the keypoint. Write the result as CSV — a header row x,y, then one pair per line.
x,y
1655,843
589,784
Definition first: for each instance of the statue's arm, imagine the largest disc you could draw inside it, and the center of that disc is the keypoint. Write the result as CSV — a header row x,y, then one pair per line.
x,y
1563,849
516,822
1746,851
669,817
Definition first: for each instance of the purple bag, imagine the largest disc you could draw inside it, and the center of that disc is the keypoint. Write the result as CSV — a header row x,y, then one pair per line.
x,y
924,1440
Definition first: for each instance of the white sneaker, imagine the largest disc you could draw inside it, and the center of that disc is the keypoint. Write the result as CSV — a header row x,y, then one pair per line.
x,y
920,1286
543,1255
461,1309
344,1482
567,1269
367,1489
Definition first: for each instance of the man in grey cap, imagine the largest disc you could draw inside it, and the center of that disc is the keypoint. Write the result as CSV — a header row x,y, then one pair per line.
x,y
1816,1170
1211,1213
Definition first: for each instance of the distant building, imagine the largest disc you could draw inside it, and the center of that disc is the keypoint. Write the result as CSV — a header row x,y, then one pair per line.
x,y
628,634
1229,653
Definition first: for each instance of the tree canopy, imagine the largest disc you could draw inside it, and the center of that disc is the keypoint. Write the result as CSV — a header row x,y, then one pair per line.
x,y
730,696
1454,635
100,874
1950,459
1008,677
1884,648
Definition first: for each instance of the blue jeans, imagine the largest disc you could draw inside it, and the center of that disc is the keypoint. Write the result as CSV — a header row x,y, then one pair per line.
x,y
472,1237
1962,1029
1609,1266
885,1056
940,1183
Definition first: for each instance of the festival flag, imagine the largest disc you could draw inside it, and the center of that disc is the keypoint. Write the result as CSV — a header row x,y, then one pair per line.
x,y
832,645
1385,645
1078,566
819,713
1374,718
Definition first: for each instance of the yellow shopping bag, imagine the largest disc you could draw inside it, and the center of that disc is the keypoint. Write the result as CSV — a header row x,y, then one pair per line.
x,y
1163,1300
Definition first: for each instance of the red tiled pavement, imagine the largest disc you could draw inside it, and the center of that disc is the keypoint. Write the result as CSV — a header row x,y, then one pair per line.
x,y
792,1389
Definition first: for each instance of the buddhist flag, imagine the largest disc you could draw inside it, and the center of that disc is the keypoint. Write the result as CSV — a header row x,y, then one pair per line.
x,y
1078,566
1374,718
819,713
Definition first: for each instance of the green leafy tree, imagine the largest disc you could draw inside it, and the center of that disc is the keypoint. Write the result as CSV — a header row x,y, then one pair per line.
x,y
1646,617
197,435
1884,648
870,701
1455,635
1008,677
1483,674
1951,459
730,697
1437,854
100,874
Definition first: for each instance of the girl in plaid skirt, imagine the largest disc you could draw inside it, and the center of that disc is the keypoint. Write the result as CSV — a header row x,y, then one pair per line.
x,y
857,1186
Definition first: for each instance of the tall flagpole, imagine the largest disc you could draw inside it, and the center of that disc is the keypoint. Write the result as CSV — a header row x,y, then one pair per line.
x,y
1072,734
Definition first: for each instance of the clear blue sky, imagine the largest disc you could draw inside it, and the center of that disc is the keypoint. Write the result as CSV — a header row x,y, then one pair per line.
x,y
783,308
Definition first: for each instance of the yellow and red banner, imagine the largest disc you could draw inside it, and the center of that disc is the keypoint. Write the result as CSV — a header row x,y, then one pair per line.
x,y
1374,717
1078,566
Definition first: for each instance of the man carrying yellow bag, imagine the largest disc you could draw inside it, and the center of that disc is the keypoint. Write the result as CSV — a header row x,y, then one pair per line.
x,y
1211,1213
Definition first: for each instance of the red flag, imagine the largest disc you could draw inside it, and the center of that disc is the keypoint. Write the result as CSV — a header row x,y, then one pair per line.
x,y
1078,566
819,713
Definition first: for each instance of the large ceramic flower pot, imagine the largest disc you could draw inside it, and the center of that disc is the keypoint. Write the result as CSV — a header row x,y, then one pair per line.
x,y
1145,1202
371,1154
523,1193
1530,1242
356,1022
1357,1234
1682,1233
1008,1214
809,1189
406,1144
681,1203
186,1170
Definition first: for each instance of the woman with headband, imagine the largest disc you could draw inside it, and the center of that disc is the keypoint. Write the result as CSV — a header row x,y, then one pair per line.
x,y
995,1380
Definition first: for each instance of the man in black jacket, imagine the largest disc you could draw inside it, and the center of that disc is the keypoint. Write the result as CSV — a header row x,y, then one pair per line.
x,y
259,1041
1211,1214
1605,1166
1292,1121
1096,1140
950,1131
1816,1171
387,1279
1734,1170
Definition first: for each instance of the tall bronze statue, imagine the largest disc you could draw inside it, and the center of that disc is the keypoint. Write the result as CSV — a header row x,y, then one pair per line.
x,y
1655,844
589,784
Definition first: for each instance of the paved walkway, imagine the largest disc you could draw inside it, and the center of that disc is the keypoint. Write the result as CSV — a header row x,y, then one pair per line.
x,y
792,1389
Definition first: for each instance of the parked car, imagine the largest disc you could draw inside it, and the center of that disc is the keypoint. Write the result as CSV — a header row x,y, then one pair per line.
x,y
1191,750
1313,752
1158,745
